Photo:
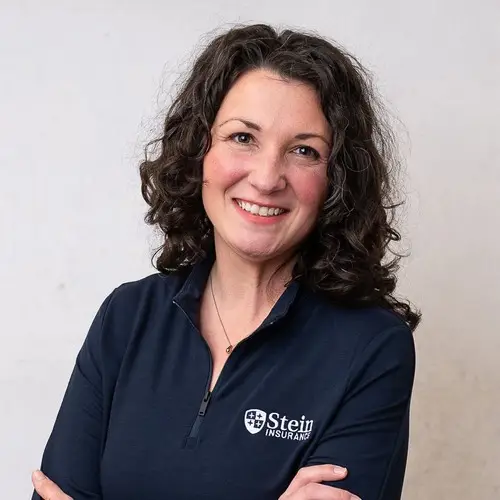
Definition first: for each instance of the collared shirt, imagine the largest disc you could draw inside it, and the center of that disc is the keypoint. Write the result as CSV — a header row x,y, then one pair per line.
x,y
316,383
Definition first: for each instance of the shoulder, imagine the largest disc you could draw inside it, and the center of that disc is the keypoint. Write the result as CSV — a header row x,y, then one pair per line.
x,y
131,304
375,346
361,323
364,334
153,290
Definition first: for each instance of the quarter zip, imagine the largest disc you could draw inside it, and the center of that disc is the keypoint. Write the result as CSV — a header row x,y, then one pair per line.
x,y
193,435
192,439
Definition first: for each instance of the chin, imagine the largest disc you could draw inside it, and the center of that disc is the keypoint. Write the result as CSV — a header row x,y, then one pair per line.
x,y
258,252
255,253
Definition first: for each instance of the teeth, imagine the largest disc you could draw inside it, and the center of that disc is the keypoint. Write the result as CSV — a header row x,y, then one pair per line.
x,y
258,210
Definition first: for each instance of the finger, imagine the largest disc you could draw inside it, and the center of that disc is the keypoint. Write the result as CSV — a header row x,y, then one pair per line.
x,y
46,488
315,491
315,474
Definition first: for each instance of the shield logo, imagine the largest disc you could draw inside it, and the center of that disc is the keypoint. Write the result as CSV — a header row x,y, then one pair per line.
x,y
255,420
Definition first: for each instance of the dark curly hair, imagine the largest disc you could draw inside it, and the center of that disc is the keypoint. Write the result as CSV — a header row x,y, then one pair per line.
x,y
345,256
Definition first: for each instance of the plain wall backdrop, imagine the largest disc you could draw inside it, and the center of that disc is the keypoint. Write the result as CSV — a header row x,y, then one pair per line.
x,y
82,87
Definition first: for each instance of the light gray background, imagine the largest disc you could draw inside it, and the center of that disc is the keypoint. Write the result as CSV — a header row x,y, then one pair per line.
x,y
81,84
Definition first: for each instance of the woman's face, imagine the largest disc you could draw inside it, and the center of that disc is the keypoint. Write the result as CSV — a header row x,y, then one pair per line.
x,y
265,175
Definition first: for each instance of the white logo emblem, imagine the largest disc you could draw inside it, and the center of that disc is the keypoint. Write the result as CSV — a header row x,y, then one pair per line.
x,y
255,420
278,426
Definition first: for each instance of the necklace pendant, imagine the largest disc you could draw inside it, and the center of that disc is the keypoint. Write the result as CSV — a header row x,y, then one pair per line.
x,y
229,349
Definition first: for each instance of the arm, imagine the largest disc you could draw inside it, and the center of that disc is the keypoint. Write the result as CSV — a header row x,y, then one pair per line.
x,y
369,434
72,455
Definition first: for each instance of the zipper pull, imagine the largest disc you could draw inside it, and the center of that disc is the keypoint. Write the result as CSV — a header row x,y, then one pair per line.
x,y
204,404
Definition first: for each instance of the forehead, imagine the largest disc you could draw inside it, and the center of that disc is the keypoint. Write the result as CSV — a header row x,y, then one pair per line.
x,y
266,98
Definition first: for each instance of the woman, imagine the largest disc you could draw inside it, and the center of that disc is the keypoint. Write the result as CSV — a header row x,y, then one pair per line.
x,y
269,347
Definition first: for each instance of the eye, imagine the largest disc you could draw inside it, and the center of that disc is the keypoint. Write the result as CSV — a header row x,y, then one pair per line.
x,y
308,151
238,135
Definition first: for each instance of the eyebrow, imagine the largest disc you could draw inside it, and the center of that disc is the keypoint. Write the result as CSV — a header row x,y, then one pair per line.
x,y
254,126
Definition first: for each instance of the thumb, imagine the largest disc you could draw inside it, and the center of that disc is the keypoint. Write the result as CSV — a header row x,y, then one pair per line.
x,y
314,474
47,489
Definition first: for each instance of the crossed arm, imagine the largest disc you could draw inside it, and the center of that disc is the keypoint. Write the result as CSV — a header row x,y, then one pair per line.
x,y
369,435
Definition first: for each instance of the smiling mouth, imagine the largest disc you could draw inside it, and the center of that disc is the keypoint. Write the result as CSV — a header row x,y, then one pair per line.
x,y
261,210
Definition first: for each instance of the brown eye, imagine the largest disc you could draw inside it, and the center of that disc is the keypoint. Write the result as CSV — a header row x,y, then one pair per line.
x,y
308,151
238,135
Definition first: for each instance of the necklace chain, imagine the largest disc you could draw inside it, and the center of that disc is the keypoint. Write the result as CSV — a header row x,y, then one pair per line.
x,y
229,348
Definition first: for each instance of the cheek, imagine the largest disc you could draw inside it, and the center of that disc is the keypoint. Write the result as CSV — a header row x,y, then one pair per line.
x,y
310,188
220,169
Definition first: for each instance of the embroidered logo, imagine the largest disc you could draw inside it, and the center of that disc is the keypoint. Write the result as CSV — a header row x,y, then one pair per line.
x,y
255,420
278,426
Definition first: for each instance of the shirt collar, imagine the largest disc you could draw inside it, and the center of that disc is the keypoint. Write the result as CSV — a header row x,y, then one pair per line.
x,y
188,298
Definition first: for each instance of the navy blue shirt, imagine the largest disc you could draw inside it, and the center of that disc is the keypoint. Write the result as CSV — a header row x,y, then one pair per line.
x,y
316,383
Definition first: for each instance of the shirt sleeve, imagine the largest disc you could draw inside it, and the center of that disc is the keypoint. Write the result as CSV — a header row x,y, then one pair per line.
x,y
72,454
369,434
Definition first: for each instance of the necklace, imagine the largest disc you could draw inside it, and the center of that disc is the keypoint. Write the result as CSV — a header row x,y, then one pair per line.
x,y
229,348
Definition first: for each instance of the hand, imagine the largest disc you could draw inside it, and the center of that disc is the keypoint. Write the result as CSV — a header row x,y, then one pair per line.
x,y
46,488
306,485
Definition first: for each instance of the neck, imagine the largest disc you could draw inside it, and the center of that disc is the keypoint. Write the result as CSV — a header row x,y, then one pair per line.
x,y
248,287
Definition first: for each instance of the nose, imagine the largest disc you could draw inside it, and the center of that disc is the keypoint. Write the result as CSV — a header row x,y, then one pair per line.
x,y
267,174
